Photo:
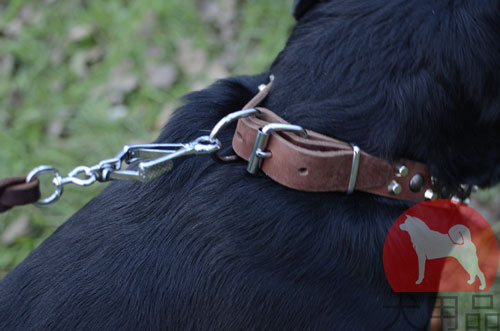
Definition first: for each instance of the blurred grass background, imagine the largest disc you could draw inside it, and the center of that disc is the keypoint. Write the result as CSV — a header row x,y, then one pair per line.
x,y
79,79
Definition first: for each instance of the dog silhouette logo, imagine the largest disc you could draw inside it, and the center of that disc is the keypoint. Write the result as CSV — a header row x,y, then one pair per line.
x,y
457,243
441,246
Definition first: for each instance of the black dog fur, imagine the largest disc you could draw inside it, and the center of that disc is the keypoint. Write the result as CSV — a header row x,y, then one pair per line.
x,y
206,247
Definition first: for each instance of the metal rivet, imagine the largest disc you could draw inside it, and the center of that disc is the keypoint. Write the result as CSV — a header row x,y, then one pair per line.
x,y
401,170
434,180
455,199
446,192
395,188
417,182
465,187
430,194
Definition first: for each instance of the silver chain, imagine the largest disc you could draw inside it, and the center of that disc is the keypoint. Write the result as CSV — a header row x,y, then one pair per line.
x,y
154,160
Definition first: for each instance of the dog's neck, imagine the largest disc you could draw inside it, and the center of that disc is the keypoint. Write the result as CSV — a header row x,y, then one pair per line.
x,y
383,133
338,86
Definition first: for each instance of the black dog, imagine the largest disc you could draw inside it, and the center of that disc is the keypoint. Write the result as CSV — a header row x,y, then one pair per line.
x,y
207,247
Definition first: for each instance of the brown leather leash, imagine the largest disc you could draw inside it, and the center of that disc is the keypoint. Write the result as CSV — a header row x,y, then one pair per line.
x,y
14,191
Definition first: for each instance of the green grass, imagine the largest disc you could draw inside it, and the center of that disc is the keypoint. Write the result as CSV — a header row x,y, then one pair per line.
x,y
44,84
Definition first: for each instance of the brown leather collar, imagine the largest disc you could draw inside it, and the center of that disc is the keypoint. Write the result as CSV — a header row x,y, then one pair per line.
x,y
317,163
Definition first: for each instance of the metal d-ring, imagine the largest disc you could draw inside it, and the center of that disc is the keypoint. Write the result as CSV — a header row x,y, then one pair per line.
x,y
56,180
224,122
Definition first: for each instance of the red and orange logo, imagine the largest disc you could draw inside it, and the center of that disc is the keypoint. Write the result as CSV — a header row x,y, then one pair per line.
x,y
441,246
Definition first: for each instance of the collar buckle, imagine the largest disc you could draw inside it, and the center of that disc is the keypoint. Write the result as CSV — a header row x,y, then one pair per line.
x,y
261,139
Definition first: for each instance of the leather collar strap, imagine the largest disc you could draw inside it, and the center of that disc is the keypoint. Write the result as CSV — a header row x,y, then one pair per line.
x,y
318,163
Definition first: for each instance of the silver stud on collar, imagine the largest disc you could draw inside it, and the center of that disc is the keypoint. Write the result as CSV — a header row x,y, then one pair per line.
x,y
456,199
430,195
417,183
401,170
395,188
